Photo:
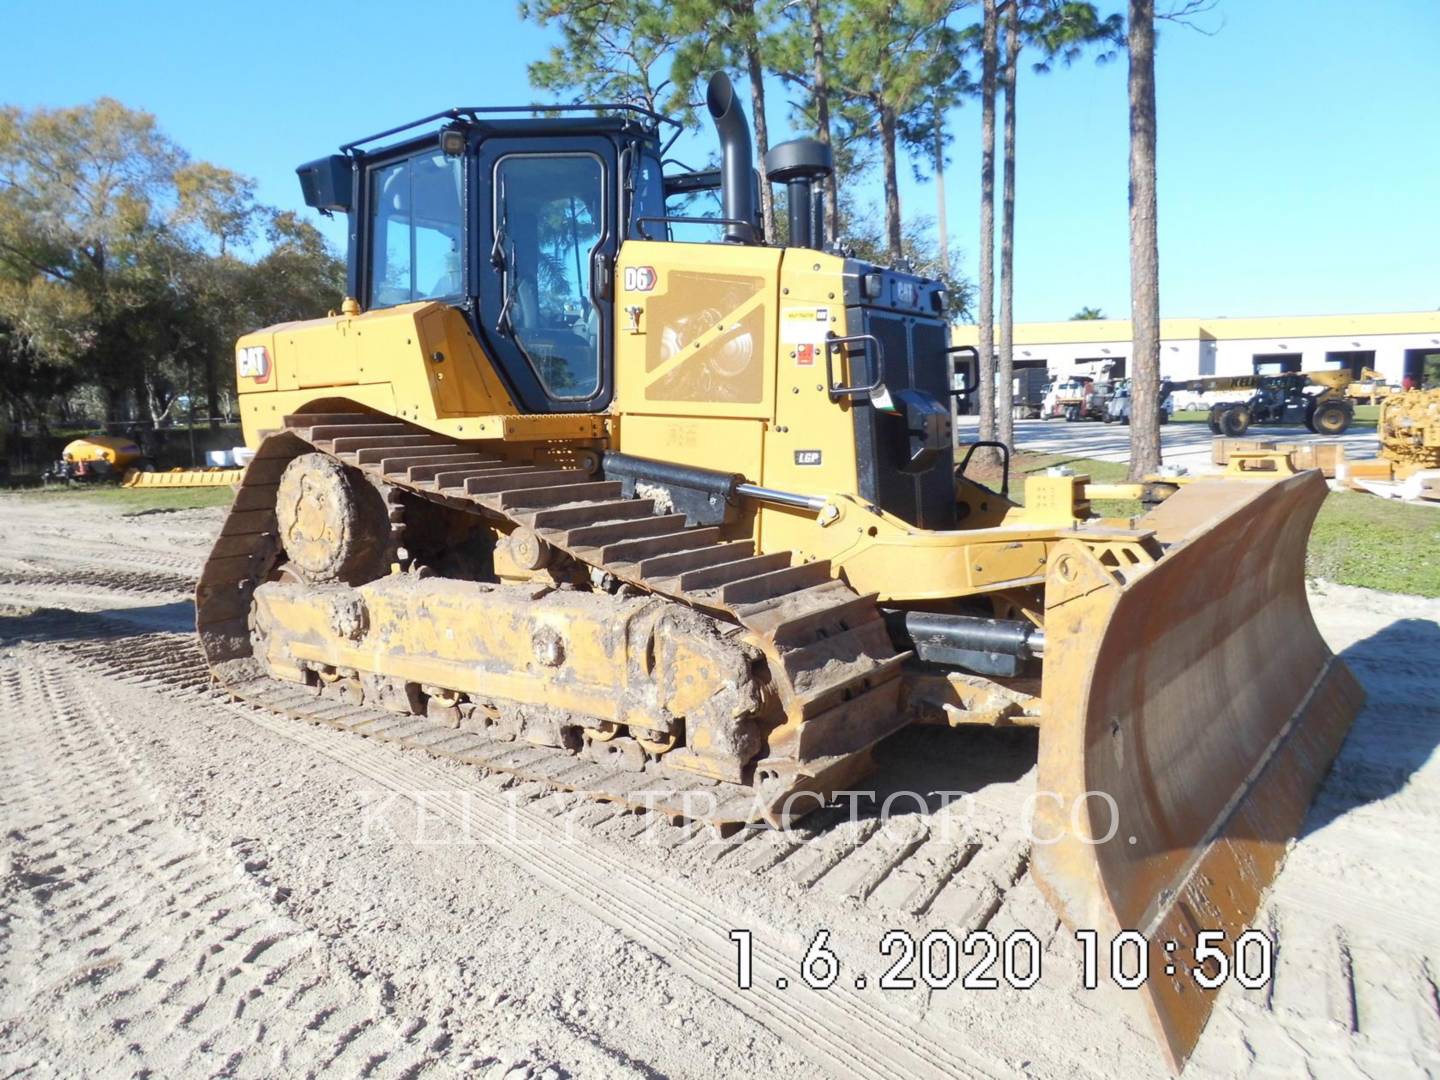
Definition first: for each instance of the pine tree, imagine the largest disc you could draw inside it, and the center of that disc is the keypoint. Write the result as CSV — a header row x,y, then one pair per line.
x,y
891,58
609,50
729,34
1061,29
989,50
1144,247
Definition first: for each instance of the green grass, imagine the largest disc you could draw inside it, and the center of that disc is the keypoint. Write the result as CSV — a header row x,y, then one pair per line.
x,y
1101,472
1365,416
1358,539
134,500
1377,544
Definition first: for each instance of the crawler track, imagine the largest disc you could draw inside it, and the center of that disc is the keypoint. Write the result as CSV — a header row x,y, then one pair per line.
x,y
826,646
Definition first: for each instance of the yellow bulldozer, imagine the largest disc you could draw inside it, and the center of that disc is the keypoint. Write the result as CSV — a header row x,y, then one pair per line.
x,y
681,525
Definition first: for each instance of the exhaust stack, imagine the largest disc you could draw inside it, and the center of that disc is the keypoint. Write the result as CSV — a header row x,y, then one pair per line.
x,y
737,162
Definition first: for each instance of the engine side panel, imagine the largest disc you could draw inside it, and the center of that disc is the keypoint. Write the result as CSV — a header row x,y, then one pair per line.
x,y
419,362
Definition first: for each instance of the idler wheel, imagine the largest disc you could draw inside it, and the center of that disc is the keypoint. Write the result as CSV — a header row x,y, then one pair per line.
x,y
333,524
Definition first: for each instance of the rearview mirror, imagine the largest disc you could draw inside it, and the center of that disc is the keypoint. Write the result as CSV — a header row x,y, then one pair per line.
x,y
326,183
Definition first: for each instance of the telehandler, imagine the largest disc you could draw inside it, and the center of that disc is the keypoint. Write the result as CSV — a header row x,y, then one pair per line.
x,y
680,525
1316,399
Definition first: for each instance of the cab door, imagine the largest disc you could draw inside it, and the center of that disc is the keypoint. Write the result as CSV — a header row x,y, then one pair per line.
x,y
547,241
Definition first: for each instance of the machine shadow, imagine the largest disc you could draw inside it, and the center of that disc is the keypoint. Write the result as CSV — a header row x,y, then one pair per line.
x,y
61,624
1397,731
924,768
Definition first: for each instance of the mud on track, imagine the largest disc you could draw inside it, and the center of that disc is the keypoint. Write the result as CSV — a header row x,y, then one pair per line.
x,y
194,885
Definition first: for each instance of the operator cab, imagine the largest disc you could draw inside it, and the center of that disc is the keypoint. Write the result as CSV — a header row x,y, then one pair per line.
x,y
516,222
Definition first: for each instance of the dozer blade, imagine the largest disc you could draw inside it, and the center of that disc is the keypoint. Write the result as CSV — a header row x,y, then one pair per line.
x,y
182,478
1191,710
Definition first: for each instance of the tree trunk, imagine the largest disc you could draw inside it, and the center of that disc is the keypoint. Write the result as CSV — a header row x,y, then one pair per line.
x,y
1144,247
942,227
986,317
1005,374
822,116
110,397
762,136
892,185
212,390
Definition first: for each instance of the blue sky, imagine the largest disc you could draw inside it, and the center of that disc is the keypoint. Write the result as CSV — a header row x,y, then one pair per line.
x,y
1299,146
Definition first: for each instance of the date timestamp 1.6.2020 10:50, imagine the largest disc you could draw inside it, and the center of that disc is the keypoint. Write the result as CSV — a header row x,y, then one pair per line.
x,y
989,961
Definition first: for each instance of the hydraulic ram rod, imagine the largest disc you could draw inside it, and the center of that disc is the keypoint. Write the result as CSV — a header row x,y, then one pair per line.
x,y
784,498
988,646
727,486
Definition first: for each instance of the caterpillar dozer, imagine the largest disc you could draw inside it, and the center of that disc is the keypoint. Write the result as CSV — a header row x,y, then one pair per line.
x,y
680,524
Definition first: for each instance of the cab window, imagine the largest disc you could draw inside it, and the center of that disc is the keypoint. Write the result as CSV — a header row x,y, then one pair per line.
x,y
648,200
548,225
416,238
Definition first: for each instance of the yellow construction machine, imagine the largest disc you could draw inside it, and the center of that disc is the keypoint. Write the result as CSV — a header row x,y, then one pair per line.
x,y
680,525
118,459
1409,463
1317,399
95,459
1409,431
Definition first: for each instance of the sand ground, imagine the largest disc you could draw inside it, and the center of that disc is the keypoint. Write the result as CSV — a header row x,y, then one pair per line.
x,y
194,887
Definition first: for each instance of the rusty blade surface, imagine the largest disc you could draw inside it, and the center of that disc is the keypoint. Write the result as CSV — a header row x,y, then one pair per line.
x,y
1197,704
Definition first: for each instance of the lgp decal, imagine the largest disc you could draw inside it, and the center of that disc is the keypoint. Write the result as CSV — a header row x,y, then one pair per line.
x,y
805,354
807,457
639,278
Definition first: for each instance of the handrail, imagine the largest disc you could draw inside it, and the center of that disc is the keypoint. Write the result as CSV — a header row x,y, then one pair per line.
x,y
1005,454
837,392
462,112
638,224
